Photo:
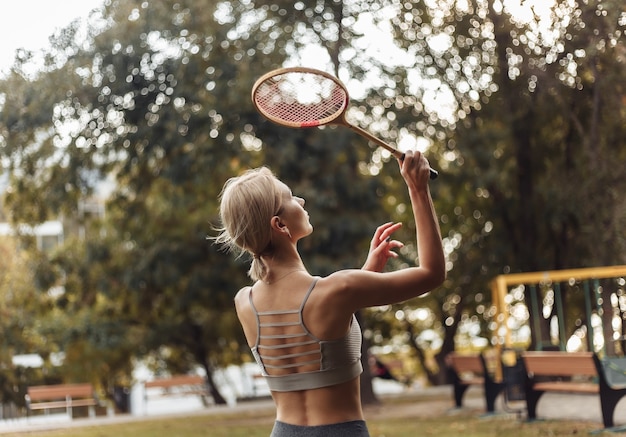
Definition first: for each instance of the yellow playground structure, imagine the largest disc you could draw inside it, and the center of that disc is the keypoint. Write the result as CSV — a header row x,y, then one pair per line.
x,y
579,309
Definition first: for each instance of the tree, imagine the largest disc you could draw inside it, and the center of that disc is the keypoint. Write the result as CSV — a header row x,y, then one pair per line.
x,y
20,311
526,94
158,98
153,120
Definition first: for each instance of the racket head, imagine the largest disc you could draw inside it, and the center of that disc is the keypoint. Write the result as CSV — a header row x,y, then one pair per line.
x,y
300,97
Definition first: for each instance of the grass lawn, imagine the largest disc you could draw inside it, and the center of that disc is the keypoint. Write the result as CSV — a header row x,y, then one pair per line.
x,y
385,421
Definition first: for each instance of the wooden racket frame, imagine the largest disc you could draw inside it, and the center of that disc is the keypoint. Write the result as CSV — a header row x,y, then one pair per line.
x,y
338,118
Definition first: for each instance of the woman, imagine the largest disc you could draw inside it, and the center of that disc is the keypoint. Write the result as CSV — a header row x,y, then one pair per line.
x,y
301,329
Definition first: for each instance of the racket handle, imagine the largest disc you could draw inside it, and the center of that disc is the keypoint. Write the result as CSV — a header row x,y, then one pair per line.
x,y
395,152
433,173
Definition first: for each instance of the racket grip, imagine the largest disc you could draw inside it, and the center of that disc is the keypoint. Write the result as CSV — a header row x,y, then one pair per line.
x,y
433,173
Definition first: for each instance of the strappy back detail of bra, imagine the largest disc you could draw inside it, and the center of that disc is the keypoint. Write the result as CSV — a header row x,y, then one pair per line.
x,y
330,362
301,337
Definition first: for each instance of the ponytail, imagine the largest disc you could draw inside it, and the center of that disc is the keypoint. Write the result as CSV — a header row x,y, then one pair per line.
x,y
247,205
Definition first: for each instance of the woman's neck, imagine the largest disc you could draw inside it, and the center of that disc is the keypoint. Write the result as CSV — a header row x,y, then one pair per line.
x,y
279,269
273,278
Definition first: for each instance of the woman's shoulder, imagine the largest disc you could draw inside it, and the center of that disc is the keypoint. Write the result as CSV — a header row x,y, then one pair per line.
x,y
243,296
345,278
341,282
355,289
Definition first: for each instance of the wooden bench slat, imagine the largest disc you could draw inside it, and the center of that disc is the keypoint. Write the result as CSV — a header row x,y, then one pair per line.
x,y
550,363
175,381
83,402
567,387
466,363
47,405
60,391
63,404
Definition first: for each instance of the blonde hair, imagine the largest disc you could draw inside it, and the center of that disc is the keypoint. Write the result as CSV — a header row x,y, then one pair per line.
x,y
247,204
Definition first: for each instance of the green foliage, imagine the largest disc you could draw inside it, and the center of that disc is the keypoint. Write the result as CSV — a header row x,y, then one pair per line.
x,y
157,98
21,309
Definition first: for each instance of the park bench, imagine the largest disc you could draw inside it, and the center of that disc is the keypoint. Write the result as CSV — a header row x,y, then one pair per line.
x,y
61,396
176,385
575,372
473,369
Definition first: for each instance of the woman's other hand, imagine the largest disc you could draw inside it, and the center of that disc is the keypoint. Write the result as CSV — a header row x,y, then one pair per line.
x,y
381,247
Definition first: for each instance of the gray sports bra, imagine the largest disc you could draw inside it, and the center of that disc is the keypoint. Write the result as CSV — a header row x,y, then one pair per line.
x,y
334,361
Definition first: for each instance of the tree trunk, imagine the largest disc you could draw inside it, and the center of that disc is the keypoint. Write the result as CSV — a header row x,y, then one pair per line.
x,y
432,377
201,353
215,393
447,346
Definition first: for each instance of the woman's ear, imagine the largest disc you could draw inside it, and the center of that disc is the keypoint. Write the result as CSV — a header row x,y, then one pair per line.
x,y
278,226
275,223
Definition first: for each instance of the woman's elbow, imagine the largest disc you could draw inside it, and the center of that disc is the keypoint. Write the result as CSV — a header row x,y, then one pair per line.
x,y
441,276
438,275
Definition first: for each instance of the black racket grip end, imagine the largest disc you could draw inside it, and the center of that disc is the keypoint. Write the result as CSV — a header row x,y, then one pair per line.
x,y
433,173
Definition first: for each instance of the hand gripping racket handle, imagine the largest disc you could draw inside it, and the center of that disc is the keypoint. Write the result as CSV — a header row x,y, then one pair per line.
x,y
395,152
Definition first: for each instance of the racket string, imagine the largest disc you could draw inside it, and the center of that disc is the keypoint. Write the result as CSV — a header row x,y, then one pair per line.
x,y
297,99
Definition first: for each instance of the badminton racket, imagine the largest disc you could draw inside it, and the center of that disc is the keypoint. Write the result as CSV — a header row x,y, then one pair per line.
x,y
302,97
